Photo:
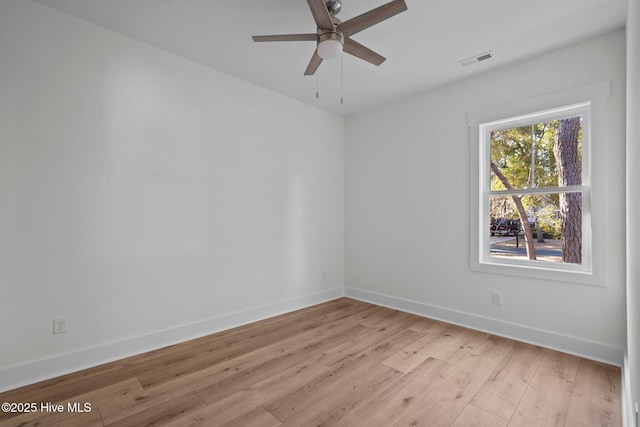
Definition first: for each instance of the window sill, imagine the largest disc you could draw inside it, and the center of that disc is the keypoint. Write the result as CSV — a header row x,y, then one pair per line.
x,y
540,270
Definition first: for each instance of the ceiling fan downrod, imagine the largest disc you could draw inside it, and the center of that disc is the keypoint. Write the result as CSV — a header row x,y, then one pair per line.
x,y
333,6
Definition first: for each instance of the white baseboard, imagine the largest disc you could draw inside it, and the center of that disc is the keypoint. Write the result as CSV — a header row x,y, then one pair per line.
x,y
629,417
567,344
32,372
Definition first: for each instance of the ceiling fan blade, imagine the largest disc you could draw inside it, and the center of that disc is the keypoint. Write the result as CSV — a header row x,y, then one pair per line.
x,y
286,38
321,14
374,16
356,49
313,64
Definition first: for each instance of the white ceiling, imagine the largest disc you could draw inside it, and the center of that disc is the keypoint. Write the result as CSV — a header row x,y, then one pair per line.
x,y
422,45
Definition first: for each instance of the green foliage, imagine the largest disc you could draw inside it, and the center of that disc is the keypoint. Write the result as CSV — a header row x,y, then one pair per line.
x,y
512,150
525,155
549,220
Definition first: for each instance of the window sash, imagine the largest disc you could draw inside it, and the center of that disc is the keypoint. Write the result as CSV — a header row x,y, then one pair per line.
x,y
584,267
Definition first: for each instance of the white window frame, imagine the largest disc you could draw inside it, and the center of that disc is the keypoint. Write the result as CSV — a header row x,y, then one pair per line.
x,y
588,102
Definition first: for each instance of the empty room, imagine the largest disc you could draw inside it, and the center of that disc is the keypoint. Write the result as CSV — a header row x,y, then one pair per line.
x,y
306,213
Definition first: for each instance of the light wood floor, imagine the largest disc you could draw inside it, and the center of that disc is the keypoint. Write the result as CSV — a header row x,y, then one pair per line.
x,y
344,363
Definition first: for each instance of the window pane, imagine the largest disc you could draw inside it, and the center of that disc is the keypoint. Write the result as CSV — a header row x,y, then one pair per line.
x,y
543,227
545,154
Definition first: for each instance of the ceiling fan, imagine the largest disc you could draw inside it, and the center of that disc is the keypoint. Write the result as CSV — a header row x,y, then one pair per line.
x,y
334,36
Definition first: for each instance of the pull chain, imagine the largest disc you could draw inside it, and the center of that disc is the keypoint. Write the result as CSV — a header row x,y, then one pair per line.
x,y
341,81
341,78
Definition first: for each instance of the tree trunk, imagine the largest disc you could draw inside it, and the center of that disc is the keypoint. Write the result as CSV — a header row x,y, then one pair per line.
x,y
569,173
528,235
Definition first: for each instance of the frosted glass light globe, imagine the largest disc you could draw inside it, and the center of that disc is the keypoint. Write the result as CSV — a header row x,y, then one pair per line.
x,y
329,49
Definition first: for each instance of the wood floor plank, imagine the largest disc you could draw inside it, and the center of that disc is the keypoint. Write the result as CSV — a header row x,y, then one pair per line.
x,y
217,368
329,397
358,343
95,398
494,348
423,324
262,334
596,397
293,378
444,404
561,365
86,419
224,379
305,319
457,349
502,392
476,417
223,411
209,377
269,366
163,413
439,335
247,401
61,419
545,403
394,402
259,417
141,402
382,317
102,395
67,386
363,317
341,395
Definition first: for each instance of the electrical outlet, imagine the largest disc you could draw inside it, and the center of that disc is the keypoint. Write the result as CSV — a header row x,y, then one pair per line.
x,y
497,298
59,325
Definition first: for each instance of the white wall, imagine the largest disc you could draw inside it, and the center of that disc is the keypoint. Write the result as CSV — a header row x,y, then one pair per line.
x,y
633,204
140,191
408,196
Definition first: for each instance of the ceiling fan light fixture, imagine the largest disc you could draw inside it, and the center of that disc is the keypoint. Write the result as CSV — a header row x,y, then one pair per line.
x,y
330,45
329,49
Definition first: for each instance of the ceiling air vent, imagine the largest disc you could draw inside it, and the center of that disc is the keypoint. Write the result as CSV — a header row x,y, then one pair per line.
x,y
476,58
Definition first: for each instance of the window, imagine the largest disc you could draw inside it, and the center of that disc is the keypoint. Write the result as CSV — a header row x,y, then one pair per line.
x,y
534,201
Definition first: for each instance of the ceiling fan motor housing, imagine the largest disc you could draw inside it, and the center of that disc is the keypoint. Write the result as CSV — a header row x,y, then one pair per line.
x,y
324,35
